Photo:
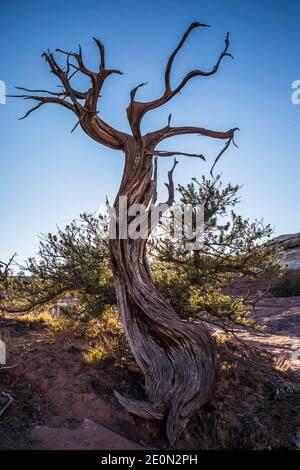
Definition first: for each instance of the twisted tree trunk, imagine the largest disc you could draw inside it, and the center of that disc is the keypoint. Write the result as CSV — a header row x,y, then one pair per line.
x,y
177,358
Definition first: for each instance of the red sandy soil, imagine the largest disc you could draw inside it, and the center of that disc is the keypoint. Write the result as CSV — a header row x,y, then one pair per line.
x,y
63,398
282,318
60,402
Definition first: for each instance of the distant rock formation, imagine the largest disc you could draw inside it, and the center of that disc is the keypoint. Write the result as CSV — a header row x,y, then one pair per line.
x,y
290,256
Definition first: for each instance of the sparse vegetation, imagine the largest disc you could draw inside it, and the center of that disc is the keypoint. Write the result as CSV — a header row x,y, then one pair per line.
x,y
252,389
75,263
288,286
120,329
200,285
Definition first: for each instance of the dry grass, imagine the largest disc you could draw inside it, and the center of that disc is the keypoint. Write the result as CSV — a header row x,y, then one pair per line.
x,y
106,338
255,402
93,355
32,318
282,363
103,336
52,324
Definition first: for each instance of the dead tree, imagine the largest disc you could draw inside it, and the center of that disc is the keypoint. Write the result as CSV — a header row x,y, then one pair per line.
x,y
177,358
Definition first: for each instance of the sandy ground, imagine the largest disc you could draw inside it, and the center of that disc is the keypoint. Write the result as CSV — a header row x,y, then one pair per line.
x,y
282,337
60,402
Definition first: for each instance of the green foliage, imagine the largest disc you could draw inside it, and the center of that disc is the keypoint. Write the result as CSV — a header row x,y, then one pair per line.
x,y
73,262
199,284
106,339
235,252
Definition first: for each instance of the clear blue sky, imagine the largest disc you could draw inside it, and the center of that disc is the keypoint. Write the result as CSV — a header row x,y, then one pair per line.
x,y
48,175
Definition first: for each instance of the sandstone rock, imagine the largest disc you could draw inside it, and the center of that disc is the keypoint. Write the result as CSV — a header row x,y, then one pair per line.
x,y
290,256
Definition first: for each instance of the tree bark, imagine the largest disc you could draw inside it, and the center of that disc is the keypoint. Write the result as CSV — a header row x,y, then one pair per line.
x,y
177,358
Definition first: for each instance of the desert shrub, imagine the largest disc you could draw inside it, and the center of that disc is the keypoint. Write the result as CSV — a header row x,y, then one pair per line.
x,y
106,339
75,262
287,287
200,283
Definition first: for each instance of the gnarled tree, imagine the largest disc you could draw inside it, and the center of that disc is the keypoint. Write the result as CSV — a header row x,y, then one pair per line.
x,y
176,357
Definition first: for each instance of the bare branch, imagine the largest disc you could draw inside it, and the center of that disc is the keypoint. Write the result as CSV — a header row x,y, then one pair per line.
x,y
170,184
136,110
229,141
201,73
31,111
10,400
102,53
70,97
154,198
78,57
162,153
43,100
63,76
9,367
41,91
6,266
154,138
173,55
155,213
134,90
73,129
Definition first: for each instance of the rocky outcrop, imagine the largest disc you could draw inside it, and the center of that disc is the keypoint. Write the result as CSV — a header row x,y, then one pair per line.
x,y
290,256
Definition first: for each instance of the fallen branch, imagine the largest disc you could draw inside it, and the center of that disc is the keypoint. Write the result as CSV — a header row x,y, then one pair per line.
x,y
9,367
9,402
